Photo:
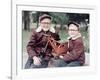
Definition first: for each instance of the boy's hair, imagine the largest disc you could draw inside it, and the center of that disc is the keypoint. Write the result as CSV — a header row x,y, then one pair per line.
x,y
74,23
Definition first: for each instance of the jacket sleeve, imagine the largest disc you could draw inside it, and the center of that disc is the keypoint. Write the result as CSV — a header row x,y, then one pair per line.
x,y
75,53
30,45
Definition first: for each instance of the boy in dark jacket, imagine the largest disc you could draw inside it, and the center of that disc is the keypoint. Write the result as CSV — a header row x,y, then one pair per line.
x,y
38,49
75,55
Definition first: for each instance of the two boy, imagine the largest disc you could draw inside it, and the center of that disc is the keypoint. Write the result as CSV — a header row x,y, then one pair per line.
x,y
39,59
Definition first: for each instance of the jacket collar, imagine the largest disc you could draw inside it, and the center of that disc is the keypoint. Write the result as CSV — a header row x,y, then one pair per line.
x,y
39,29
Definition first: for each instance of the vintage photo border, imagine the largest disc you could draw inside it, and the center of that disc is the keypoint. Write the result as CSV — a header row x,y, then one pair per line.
x,y
17,71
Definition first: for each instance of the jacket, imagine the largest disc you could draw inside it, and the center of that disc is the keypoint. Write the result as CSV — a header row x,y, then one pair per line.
x,y
37,44
76,50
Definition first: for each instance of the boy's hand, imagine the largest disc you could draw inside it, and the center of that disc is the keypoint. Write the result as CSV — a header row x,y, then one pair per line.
x,y
37,60
61,57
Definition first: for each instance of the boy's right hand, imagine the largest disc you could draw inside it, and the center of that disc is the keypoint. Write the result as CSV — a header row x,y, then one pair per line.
x,y
36,60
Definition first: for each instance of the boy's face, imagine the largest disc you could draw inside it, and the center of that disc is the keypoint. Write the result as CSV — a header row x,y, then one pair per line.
x,y
45,24
73,30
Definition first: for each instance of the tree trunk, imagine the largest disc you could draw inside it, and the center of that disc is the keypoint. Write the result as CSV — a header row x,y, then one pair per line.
x,y
26,20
